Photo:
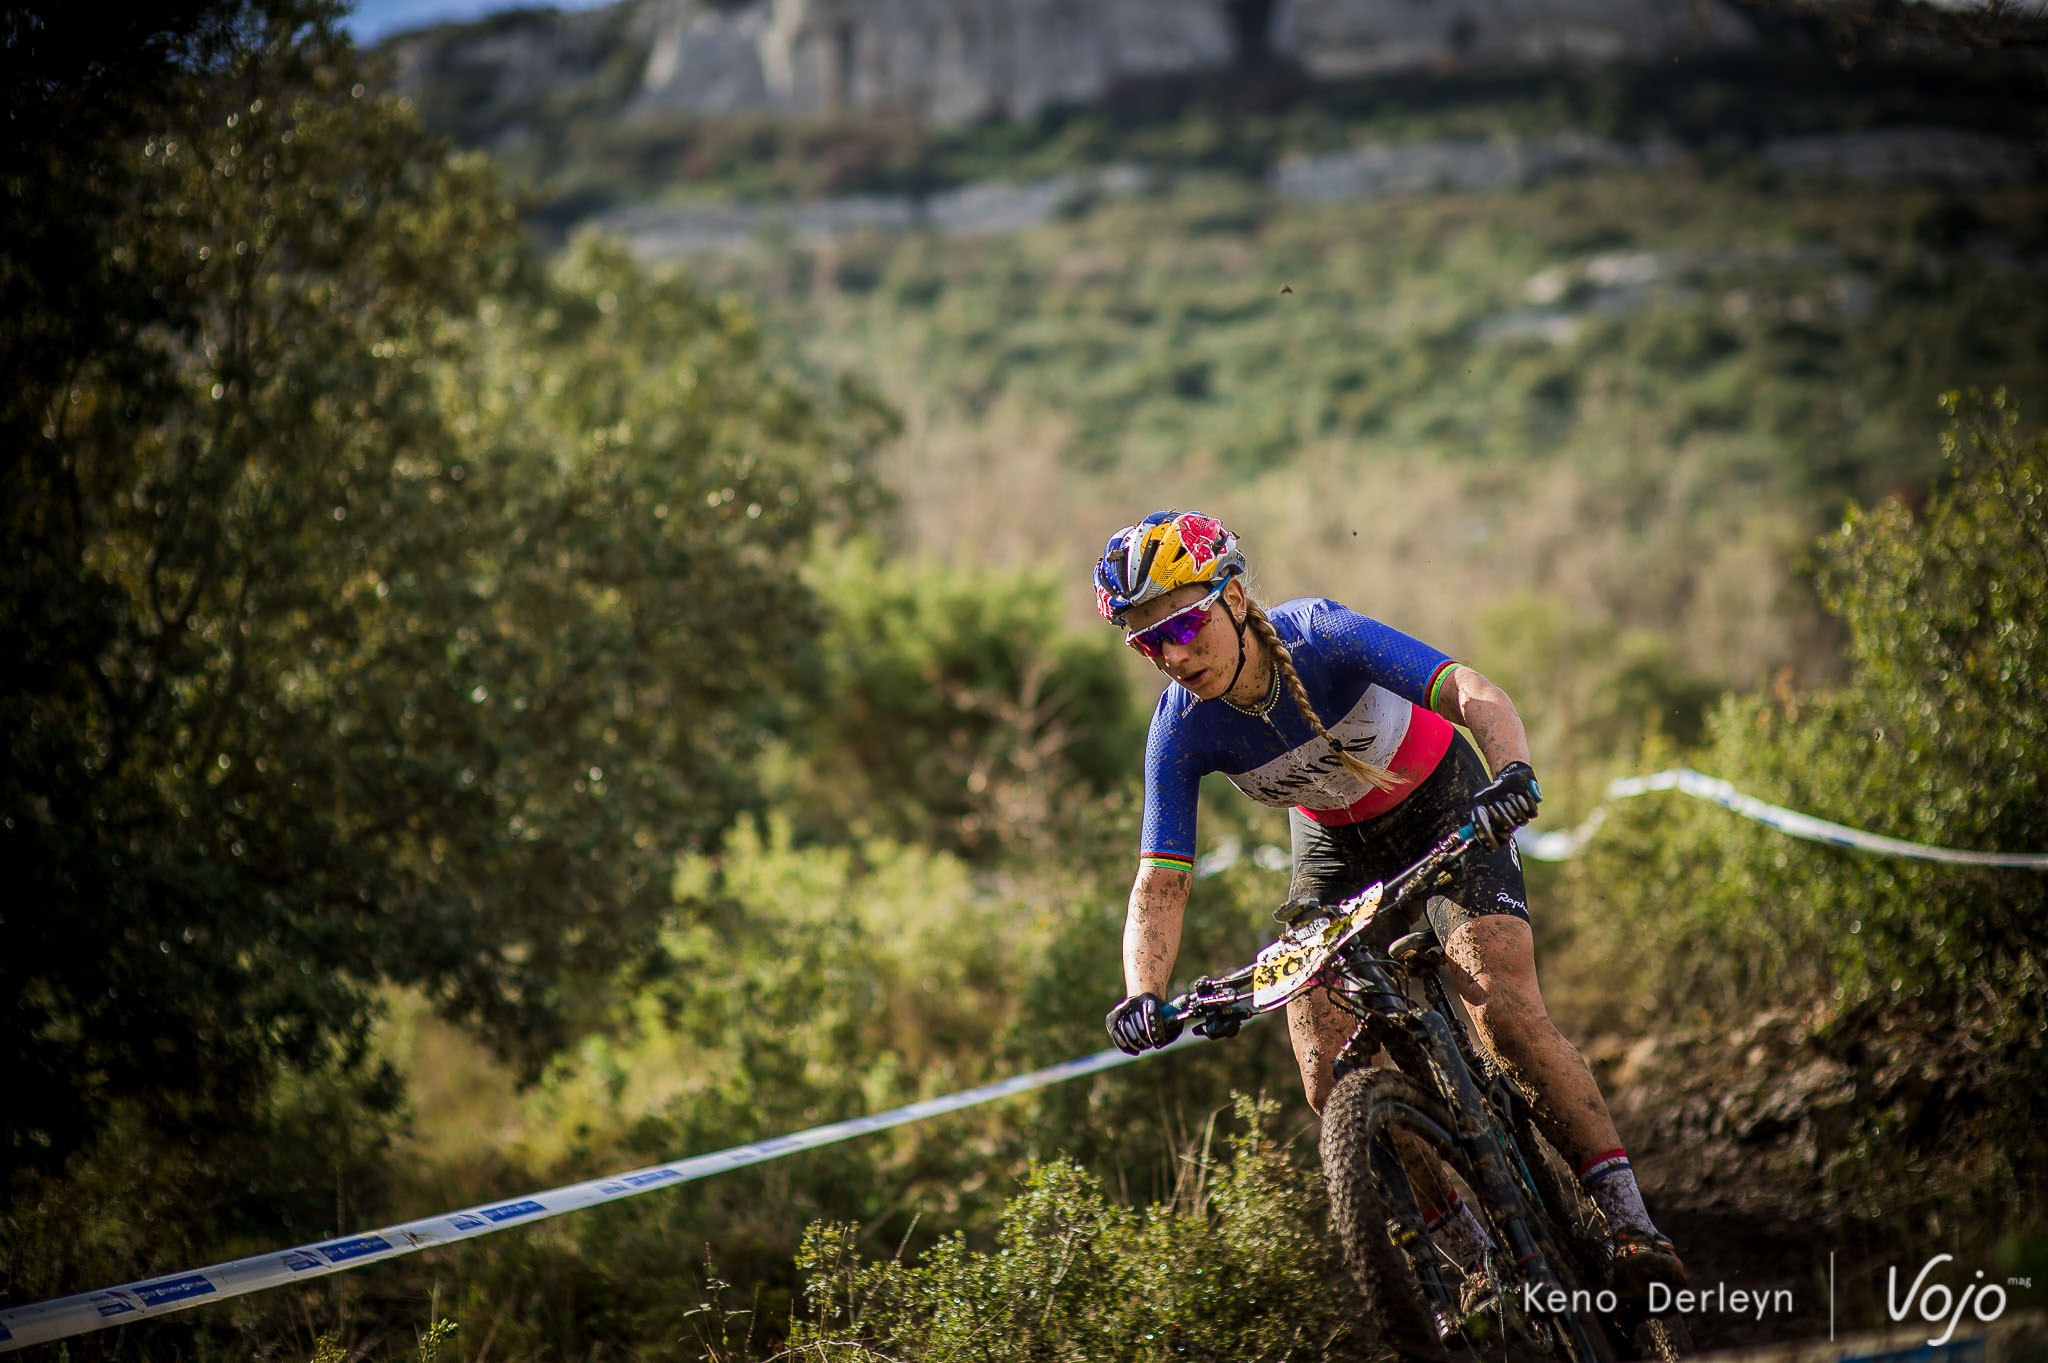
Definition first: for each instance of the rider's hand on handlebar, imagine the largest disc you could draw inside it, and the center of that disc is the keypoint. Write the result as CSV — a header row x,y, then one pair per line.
x,y
1138,1024
1505,805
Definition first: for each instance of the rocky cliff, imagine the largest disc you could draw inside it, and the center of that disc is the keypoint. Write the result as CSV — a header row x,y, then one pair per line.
x,y
950,61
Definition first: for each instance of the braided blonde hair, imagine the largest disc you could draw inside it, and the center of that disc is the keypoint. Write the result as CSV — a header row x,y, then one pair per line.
x,y
1379,778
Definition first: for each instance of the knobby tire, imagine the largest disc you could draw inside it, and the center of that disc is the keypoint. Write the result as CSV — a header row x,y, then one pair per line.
x,y
1368,1105
1359,1214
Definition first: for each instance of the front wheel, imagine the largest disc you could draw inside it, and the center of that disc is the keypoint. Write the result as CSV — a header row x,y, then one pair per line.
x,y
1378,1128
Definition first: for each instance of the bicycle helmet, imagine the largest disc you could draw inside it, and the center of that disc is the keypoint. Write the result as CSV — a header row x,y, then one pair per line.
x,y
1167,549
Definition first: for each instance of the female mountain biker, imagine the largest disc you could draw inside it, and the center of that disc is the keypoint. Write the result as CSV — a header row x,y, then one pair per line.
x,y
1347,723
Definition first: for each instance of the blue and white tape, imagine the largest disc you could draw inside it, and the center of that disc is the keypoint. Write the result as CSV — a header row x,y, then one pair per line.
x,y
76,1315
1563,845
63,1317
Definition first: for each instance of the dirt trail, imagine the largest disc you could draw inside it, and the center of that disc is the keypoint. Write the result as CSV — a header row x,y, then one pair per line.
x,y
2012,1340
1744,1143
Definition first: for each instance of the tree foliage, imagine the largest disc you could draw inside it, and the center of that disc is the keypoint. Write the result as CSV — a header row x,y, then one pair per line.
x,y
1935,738
379,605
961,711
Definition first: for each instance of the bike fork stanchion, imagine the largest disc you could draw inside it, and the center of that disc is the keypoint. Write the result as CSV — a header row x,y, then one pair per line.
x,y
1471,1111
1411,1235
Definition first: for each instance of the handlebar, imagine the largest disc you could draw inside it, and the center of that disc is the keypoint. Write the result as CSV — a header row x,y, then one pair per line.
x,y
1231,996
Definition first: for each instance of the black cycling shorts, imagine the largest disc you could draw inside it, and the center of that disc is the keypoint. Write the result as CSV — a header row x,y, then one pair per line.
x,y
1333,863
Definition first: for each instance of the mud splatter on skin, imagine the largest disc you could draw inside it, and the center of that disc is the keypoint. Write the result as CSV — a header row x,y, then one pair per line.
x,y
1492,965
1152,924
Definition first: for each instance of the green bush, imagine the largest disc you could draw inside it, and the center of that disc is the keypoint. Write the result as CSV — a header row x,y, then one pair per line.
x,y
1935,737
1237,1266
957,708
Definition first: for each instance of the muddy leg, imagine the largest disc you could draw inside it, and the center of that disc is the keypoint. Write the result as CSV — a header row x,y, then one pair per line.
x,y
1493,966
1320,1030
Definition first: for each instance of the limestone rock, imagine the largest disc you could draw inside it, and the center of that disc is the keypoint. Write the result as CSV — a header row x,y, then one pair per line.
x,y
1951,156
953,61
1334,38
950,61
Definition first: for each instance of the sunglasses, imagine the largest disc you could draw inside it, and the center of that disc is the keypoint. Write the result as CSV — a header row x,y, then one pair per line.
x,y
1178,628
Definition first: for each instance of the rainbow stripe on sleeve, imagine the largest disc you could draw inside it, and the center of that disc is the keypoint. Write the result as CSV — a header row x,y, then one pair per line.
x,y
1168,861
1437,678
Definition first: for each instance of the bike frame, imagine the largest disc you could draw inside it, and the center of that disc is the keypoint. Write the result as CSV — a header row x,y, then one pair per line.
x,y
1367,974
1390,1018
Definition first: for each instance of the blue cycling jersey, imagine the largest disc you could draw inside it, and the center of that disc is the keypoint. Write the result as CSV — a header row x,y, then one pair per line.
x,y
1374,688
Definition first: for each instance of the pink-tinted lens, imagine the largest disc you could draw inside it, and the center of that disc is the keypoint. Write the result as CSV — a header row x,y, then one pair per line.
x,y
1174,629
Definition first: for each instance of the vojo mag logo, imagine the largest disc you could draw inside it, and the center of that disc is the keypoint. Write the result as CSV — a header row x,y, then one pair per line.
x,y
1940,1305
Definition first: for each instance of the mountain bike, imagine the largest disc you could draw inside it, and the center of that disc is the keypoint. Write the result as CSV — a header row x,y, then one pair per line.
x,y
1446,1118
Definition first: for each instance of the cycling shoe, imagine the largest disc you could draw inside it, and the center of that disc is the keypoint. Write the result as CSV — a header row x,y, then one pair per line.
x,y
1642,1258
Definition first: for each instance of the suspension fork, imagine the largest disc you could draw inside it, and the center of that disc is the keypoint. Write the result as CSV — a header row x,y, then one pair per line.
x,y
1503,1096
1411,1237
1477,1132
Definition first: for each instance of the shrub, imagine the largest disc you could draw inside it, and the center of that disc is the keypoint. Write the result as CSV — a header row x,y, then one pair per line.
x,y
1236,1266
1935,738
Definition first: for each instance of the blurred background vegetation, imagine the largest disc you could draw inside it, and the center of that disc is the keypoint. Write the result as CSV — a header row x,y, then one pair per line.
x,y
486,707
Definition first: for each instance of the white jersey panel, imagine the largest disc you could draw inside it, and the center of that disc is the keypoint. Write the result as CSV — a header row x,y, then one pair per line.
x,y
1311,775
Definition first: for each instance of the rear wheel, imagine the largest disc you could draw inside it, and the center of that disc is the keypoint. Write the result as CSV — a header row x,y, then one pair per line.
x,y
1582,1238
1417,1296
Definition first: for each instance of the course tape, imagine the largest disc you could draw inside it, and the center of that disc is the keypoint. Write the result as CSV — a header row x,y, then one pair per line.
x,y
1564,845
76,1315
63,1317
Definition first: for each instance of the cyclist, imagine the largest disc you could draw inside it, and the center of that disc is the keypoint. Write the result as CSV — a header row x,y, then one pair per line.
x,y
1346,722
